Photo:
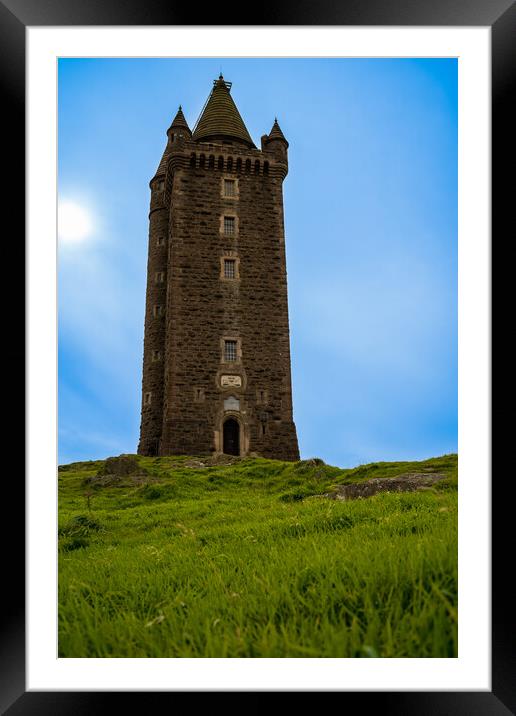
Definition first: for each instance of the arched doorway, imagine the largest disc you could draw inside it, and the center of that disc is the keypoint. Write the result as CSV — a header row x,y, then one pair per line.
x,y
231,441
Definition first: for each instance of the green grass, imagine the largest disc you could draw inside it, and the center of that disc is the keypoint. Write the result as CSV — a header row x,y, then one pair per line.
x,y
249,560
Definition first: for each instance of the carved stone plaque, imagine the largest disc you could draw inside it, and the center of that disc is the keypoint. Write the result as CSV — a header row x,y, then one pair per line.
x,y
231,403
230,381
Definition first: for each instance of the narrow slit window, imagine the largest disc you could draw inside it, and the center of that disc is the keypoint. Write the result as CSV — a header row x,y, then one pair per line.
x,y
229,268
147,398
159,276
157,311
160,241
230,350
156,356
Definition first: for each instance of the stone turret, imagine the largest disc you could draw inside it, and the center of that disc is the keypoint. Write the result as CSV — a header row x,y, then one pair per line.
x,y
179,128
275,142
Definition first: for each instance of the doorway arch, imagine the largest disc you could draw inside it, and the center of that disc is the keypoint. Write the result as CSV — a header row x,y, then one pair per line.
x,y
231,437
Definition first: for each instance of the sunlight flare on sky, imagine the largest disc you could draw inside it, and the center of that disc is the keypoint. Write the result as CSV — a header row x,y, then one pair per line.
x,y
74,222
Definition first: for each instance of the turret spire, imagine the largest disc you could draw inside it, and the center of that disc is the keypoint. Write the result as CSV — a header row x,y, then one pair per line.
x,y
179,123
276,132
220,117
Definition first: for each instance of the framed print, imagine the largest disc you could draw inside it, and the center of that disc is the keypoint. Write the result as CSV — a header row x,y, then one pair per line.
x,y
41,46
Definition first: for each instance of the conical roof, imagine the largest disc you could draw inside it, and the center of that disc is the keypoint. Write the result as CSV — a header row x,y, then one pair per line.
x,y
276,132
162,166
220,116
180,122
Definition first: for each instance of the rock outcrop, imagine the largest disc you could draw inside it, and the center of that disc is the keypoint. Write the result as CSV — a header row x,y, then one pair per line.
x,y
409,482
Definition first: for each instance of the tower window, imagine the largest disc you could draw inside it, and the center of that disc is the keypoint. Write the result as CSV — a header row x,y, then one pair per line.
x,y
159,276
229,268
229,264
229,225
199,395
157,311
261,396
160,241
147,398
229,187
230,350
156,356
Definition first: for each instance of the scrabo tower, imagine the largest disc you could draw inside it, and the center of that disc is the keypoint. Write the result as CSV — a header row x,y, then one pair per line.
x,y
216,364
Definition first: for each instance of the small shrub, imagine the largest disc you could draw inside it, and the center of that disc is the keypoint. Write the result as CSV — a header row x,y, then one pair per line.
x,y
86,522
340,522
292,497
79,526
304,466
449,484
149,492
73,543
316,461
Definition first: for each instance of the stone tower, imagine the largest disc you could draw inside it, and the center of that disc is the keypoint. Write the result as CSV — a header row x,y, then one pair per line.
x,y
216,363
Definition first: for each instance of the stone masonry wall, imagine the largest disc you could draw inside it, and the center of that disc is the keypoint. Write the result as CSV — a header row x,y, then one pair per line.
x,y
154,337
191,397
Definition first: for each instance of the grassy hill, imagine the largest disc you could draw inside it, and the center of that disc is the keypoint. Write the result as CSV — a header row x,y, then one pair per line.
x,y
251,560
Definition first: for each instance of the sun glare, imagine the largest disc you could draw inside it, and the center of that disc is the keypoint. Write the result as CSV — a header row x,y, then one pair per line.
x,y
74,222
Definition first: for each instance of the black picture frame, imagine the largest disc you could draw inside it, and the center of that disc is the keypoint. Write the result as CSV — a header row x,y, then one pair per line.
x,y
15,16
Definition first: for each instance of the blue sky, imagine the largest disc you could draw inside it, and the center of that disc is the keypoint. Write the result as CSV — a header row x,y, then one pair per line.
x,y
371,238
